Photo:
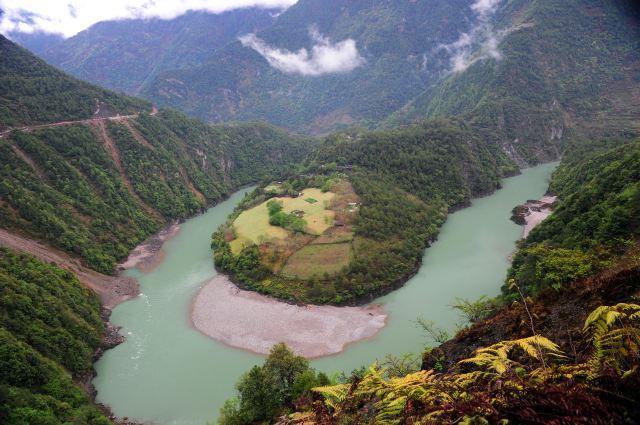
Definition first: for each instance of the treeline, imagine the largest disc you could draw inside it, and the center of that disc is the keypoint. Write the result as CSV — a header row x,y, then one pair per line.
x,y
50,327
596,221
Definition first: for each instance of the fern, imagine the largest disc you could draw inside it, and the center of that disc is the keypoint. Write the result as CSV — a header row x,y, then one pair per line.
x,y
494,360
333,395
615,335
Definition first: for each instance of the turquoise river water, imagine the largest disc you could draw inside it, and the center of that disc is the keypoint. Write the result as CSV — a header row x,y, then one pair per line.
x,y
168,373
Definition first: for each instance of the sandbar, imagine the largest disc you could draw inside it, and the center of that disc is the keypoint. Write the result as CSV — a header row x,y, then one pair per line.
x,y
255,322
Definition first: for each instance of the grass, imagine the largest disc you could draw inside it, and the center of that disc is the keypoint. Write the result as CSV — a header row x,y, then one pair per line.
x,y
318,259
252,226
314,213
335,235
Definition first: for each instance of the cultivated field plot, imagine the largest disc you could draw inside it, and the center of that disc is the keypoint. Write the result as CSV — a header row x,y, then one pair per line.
x,y
252,226
316,214
318,259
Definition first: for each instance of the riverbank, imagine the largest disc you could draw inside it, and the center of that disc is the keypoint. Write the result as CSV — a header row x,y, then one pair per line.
x,y
148,255
254,322
532,213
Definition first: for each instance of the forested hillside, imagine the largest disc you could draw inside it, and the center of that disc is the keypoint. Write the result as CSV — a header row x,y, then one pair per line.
x,y
404,182
396,39
123,55
50,327
561,345
596,221
97,189
568,70
529,75
32,92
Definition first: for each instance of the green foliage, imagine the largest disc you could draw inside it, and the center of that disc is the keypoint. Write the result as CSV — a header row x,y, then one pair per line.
x,y
495,383
49,329
557,79
32,92
475,311
265,391
288,221
397,39
597,212
406,180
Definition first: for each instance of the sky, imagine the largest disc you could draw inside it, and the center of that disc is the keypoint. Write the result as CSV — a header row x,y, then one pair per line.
x,y
68,17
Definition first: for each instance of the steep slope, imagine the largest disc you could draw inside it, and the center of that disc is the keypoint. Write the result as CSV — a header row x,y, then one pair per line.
x,y
531,75
32,92
396,39
568,70
567,355
97,188
123,55
50,328
597,220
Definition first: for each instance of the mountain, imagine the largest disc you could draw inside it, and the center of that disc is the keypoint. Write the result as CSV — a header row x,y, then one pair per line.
x,y
569,70
32,92
97,187
394,38
50,327
122,55
530,74
37,42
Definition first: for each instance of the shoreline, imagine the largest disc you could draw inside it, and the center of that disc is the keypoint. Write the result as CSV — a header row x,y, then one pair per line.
x,y
149,254
532,213
254,322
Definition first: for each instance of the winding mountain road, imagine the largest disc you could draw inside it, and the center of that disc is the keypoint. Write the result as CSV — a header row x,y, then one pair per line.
x,y
28,128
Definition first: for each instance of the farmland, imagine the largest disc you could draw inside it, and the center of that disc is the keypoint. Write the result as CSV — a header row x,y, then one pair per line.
x,y
252,226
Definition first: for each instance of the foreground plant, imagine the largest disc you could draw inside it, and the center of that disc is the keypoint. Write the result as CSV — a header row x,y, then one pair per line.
x,y
518,380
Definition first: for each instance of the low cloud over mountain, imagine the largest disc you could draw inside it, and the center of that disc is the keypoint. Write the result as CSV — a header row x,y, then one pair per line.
x,y
325,57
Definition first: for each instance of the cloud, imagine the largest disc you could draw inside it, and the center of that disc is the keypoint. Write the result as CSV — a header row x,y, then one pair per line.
x,y
325,57
480,43
68,17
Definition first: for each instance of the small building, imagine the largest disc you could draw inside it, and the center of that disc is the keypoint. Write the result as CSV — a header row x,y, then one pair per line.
x,y
338,223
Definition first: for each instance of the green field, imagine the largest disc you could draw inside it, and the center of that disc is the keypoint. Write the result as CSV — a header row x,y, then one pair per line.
x,y
318,259
252,226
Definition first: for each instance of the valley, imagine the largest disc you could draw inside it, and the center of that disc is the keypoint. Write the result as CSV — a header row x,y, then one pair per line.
x,y
320,212
164,355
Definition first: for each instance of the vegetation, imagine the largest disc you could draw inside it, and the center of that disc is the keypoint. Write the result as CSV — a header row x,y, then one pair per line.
x,y
400,186
32,92
269,390
123,54
595,222
506,382
290,221
97,190
50,327
557,79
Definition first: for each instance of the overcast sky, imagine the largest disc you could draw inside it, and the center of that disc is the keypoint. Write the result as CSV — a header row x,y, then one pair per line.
x,y
68,17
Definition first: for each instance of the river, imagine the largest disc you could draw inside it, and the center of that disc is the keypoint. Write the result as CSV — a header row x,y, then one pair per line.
x,y
168,373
